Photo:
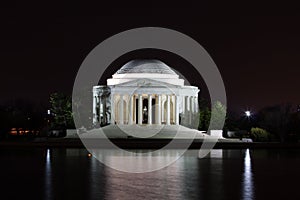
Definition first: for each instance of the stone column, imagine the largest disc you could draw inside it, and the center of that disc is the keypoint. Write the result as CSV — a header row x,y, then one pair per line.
x,y
173,108
196,104
121,113
168,110
125,113
192,104
183,104
134,109
99,111
156,109
95,110
149,109
104,110
159,113
187,103
99,105
191,109
163,111
140,120
112,109
130,113
177,110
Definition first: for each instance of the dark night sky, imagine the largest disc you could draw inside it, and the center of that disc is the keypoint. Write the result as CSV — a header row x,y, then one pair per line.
x,y
256,48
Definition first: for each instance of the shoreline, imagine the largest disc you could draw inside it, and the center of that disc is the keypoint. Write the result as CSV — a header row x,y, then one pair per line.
x,y
142,144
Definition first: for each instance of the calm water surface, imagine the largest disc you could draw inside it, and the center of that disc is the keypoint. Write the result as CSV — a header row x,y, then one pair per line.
x,y
226,174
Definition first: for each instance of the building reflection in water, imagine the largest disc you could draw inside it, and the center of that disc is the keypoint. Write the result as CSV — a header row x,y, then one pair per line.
x,y
247,183
216,153
222,174
165,183
137,161
48,176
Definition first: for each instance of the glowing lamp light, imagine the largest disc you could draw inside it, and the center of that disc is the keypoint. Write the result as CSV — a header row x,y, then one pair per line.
x,y
248,113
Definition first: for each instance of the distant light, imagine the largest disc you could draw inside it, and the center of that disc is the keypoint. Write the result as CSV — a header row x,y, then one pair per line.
x,y
89,155
48,112
48,156
248,113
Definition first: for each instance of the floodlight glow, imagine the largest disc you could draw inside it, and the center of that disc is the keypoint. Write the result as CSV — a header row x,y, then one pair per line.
x,y
248,113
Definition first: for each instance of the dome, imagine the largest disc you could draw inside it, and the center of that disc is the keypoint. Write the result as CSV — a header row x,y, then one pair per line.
x,y
141,70
140,66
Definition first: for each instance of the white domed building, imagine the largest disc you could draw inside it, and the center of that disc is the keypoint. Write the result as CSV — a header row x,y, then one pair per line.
x,y
145,92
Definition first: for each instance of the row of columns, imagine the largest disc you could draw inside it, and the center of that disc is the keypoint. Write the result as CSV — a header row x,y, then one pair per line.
x,y
189,104
158,110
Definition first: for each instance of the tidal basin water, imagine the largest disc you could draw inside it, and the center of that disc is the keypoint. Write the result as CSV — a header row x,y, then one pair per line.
x,y
38,173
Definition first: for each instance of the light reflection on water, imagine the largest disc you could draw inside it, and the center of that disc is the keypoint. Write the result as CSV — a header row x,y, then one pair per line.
x,y
164,184
48,176
136,161
224,174
95,185
247,184
216,153
180,180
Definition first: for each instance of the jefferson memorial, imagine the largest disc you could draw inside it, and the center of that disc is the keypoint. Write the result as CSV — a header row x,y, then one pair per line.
x,y
145,93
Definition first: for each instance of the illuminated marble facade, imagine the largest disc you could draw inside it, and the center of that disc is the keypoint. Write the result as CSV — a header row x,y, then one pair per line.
x,y
144,92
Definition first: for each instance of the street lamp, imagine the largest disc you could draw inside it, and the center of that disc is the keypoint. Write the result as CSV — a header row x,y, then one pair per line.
x,y
248,113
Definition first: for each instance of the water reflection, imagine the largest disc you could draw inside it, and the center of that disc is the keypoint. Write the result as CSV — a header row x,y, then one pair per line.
x,y
247,184
216,153
48,176
136,161
222,173
107,183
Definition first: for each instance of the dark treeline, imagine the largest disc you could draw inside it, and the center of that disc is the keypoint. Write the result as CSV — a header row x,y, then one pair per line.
x,y
278,122
274,123
23,114
23,117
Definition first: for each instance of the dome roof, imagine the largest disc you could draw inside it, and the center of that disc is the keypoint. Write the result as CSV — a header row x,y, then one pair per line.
x,y
151,66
